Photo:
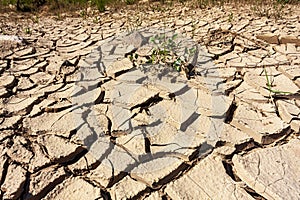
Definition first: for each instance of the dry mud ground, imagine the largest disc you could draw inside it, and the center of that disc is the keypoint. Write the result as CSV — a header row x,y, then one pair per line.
x,y
62,130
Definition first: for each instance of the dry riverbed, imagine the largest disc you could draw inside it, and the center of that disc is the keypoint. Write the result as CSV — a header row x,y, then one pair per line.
x,y
79,121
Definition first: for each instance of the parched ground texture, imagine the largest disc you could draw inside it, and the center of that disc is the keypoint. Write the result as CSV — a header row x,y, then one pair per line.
x,y
80,121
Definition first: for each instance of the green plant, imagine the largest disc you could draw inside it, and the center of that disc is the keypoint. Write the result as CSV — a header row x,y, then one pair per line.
x,y
269,9
83,14
165,53
59,16
278,7
166,49
7,2
283,1
27,30
230,17
130,2
100,4
96,20
35,19
270,85
29,5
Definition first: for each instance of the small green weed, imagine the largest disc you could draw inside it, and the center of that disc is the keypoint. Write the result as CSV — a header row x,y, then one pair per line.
x,y
164,54
230,17
35,19
96,20
130,2
27,30
270,85
83,14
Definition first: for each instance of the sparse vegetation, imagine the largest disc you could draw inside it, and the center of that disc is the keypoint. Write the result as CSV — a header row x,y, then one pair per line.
x,y
166,52
130,2
261,7
100,4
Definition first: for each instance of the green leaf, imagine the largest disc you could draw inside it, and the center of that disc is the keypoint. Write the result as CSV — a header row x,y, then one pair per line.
x,y
178,68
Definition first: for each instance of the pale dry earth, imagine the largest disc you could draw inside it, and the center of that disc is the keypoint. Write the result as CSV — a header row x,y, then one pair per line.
x,y
62,85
